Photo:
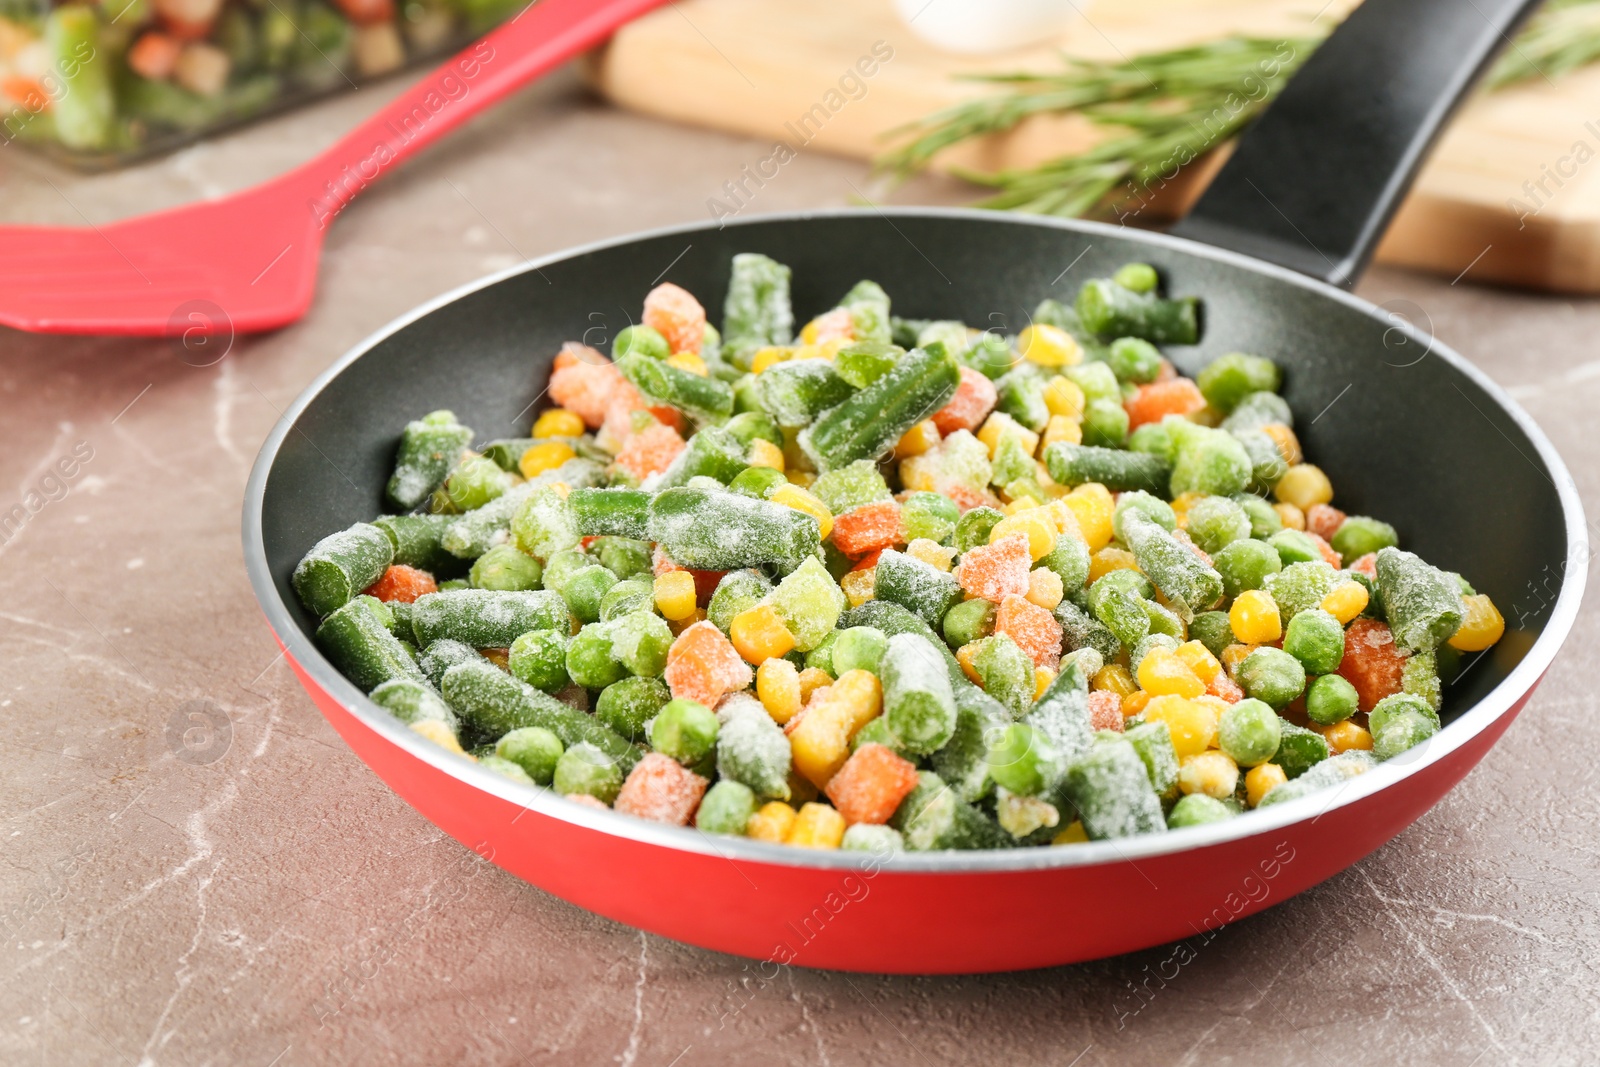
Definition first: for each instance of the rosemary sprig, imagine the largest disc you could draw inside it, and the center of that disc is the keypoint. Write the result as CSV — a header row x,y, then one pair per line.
x,y
1172,107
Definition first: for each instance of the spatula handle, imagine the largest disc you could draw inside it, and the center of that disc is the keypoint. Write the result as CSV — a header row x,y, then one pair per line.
x,y
542,37
1313,184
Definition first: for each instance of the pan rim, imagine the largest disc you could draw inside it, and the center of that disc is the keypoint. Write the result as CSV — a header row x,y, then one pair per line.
x,y
1499,702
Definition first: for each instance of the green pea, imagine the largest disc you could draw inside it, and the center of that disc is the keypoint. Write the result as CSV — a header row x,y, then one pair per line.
x,y
1245,565
1299,749
539,657
757,482
625,706
1295,546
1105,424
1151,507
1133,359
1272,675
1215,522
1097,381
1316,639
585,770
562,565
1398,704
622,556
973,529
640,341
1401,732
989,355
1164,620
584,589
1249,732
738,591
930,515
1331,699
590,661
968,621
1264,518
626,597
1021,760
504,567
1140,277
685,730
749,426
500,765
726,808
1212,629
1069,559
475,482
1228,379
1359,535
534,749
640,641
859,648
1197,809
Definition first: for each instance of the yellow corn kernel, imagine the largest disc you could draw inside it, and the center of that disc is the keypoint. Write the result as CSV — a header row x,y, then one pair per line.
x,y
759,634
778,689
1134,703
1049,346
964,656
563,488
1074,834
1212,773
1200,660
677,626
1042,677
1288,444
558,422
1347,600
817,826
1034,524
811,679
1110,559
544,457
935,555
1346,736
764,453
1192,725
1063,397
1000,424
1293,518
1019,505
1303,485
1115,678
771,823
859,586
821,742
439,734
1045,588
1254,618
1162,673
688,361
793,496
804,479
1234,655
917,440
1481,625
675,595
1093,507
1060,429
766,357
1217,707
1181,505
1261,780
808,333
1062,515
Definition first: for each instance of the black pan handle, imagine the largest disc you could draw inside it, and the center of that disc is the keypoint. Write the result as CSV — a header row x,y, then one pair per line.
x,y
1313,183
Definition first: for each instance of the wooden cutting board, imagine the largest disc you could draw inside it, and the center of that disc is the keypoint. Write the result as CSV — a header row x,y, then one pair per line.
x,y
1511,195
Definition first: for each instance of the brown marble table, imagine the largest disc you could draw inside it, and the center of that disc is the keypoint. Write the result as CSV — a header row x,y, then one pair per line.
x,y
278,905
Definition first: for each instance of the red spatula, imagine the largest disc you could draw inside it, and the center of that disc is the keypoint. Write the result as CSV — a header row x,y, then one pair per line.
x,y
249,261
